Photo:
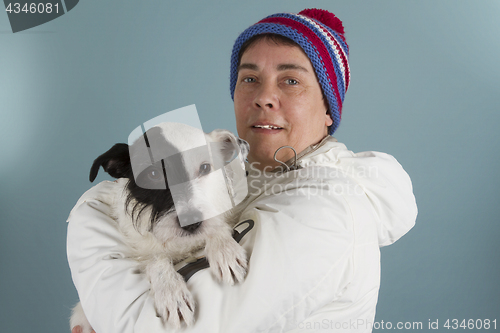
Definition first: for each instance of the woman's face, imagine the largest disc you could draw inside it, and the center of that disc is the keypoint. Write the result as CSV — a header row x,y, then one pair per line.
x,y
277,102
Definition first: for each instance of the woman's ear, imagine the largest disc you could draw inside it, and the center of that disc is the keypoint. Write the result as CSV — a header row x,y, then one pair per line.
x,y
328,119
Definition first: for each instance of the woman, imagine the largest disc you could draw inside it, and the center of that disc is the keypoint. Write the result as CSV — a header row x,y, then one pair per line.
x,y
320,217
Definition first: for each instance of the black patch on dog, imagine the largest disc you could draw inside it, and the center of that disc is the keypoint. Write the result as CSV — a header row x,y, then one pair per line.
x,y
116,162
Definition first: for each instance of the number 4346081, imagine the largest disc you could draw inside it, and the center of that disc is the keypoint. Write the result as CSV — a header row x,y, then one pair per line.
x,y
32,8
471,324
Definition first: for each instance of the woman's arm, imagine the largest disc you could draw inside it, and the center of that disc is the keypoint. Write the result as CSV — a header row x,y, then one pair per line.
x,y
111,290
298,262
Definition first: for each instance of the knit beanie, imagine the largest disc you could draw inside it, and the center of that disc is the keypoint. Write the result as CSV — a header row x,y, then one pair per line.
x,y
321,35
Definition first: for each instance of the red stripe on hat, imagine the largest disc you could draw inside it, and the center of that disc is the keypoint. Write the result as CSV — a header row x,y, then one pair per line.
x,y
342,55
316,41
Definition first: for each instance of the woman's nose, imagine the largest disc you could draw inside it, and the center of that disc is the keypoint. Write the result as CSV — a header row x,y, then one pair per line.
x,y
267,97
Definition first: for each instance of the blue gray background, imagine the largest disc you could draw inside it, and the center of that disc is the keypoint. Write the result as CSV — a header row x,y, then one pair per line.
x,y
425,88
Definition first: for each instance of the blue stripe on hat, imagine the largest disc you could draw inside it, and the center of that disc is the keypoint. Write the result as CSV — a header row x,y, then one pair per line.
x,y
333,59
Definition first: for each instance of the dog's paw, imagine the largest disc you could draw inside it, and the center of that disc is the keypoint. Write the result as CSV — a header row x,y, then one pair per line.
x,y
228,261
174,303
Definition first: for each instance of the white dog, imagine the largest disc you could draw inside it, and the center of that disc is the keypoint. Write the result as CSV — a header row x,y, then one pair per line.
x,y
151,224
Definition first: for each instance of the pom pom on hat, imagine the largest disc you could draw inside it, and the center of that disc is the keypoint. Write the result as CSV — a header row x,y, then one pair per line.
x,y
320,34
325,17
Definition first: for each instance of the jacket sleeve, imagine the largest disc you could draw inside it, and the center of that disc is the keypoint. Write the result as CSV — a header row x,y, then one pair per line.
x,y
384,209
113,294
389,190
297,263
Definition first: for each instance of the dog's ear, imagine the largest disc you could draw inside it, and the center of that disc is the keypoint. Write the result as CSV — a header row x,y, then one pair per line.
x,y
115,161
244,147
231,144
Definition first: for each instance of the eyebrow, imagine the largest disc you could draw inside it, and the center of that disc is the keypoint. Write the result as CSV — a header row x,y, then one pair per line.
x,y
253,67
282,67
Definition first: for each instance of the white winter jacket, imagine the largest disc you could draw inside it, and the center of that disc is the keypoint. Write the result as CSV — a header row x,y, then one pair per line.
x,y
314,259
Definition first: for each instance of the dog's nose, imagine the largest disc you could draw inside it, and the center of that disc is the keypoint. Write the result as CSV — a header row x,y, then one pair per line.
x,y
191,227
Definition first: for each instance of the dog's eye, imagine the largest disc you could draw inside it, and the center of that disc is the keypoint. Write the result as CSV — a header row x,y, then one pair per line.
x,y
155,175
205,169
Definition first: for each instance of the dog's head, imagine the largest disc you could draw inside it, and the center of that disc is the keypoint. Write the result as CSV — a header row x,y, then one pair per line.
x,y
150,199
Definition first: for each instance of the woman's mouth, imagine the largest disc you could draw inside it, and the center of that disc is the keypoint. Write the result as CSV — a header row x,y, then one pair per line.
x,y
267,128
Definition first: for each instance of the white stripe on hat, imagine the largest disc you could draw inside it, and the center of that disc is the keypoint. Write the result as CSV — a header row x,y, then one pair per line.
x,y
335,45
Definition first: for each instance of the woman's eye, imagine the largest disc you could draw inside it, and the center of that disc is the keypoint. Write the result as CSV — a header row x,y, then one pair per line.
x,y
291,82
205,169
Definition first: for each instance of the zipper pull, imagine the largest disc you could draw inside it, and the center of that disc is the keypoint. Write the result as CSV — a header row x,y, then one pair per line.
x,y
294,165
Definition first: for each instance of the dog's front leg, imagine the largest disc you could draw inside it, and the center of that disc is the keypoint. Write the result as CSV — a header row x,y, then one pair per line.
x,y
227,259
173,301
